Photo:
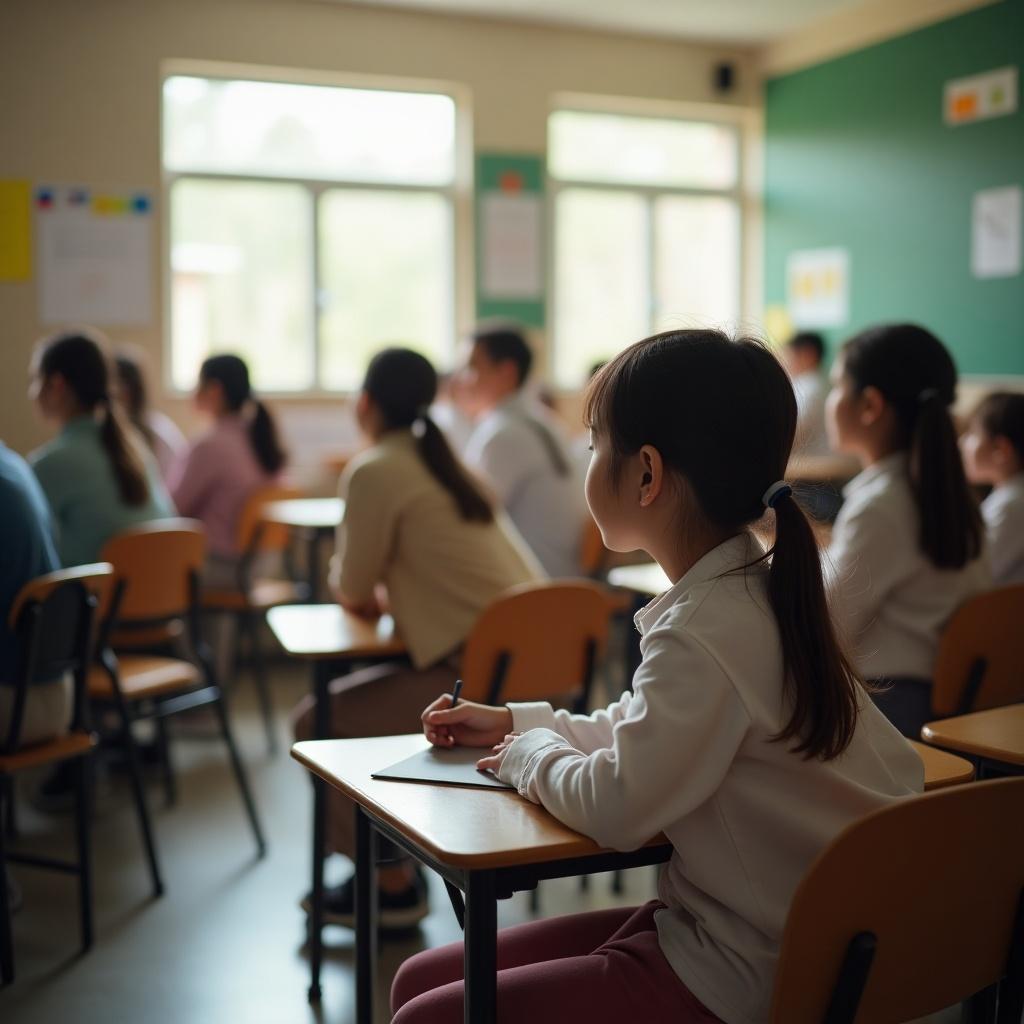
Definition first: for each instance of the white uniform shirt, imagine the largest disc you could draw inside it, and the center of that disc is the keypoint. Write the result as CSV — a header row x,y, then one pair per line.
x,y
887,597
1003,511
690,752
548,509
810,389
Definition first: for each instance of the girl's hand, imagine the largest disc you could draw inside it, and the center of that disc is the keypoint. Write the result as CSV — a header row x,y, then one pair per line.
x,y
465,725
493,762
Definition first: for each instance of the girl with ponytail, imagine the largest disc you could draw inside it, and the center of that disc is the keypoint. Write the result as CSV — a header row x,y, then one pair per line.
x,y
746,736
97,474
240,453
907,547
419,537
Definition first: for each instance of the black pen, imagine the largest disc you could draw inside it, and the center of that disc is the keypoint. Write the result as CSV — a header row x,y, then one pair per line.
x,y
456,690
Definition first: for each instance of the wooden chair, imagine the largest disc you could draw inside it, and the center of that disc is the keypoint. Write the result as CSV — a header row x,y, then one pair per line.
x,y
539,641
911,909
53,619
157,568
980,664
251,598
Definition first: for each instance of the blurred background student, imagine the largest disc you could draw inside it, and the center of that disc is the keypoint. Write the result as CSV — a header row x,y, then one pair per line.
x,y
97,473
519,451
421,540
993,448
158,430
908,545
239,453
803,356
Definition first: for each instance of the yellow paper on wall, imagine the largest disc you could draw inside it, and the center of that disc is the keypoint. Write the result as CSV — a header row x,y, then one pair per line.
x,y
15,231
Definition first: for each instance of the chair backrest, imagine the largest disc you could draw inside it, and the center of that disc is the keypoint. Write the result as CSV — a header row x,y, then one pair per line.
x,y
536,641
937,880
155,565
254,534
981,655
53,618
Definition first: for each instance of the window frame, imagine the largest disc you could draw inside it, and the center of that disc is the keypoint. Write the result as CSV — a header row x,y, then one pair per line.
x,y
736,119
456,195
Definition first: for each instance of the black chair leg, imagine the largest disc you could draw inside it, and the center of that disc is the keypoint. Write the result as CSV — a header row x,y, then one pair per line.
x,y
142,810
239,770
83,812
259,676
617,883
9,818
170,782
6,940
535,900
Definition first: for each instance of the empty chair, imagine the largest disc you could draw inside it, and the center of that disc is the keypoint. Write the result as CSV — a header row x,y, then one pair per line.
x,y
53,619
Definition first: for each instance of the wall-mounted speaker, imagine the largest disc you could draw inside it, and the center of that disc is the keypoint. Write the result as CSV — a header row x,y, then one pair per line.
x,y
725,76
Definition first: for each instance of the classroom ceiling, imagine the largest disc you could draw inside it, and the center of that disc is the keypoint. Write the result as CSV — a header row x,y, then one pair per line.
x,y
742,22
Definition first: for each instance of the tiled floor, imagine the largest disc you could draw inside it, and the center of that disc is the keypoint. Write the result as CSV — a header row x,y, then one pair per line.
x,y
225,944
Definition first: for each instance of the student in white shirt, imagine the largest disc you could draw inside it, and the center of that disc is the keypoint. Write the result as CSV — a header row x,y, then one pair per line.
x,y
908,546
421,540
519,452
993,450
747,738
803,356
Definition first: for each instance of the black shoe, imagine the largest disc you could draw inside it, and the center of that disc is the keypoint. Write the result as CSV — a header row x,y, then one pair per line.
x,y
396,911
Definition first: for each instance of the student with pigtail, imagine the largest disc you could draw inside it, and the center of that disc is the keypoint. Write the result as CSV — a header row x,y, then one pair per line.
x,y
747,737
97,473
908,545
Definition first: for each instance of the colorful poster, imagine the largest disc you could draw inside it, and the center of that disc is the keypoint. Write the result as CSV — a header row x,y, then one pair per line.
x,y
15,230
94,255
818,288
995,232
980,97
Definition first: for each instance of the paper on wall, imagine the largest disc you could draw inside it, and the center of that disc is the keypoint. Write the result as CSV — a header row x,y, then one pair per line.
x,y
995,232
979,97
511,257
818,288
94,256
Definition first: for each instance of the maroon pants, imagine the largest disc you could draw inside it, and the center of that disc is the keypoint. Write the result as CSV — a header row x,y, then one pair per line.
x,y
604,966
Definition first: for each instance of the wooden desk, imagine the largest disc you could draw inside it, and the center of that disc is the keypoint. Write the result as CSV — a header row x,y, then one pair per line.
x,y
941,769
996,735
330,639
648,579
486,843
312,519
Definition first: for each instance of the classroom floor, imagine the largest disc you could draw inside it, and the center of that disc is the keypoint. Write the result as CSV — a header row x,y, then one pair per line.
x,y
225,943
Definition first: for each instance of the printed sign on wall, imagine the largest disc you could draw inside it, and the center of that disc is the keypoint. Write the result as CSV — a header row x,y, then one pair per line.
x,y
981,96
818,288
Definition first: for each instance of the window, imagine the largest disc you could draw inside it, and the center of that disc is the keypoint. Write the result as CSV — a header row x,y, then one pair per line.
x,y
646,231
309,226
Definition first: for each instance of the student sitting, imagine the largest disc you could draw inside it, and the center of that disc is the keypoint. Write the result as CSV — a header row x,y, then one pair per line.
x,y
239,454
803,356
26,551
993,450
746,738
97,474
417,527
907,547
518,452
160,432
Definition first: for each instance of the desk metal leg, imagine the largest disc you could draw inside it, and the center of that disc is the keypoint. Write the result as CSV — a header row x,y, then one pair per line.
x,y
366,916
321,717
480,964
313,565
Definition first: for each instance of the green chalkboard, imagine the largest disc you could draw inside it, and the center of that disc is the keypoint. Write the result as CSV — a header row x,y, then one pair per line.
x,y
858,156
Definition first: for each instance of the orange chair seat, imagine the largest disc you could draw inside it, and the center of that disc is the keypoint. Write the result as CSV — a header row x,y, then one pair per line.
x,y
151,636
262,595
143,676
74,744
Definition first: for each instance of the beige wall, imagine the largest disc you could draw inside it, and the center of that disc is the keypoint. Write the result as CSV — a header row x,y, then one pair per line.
x,y
80,81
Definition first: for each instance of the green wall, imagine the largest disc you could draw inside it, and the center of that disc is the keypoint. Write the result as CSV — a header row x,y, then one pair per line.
x,y
858,156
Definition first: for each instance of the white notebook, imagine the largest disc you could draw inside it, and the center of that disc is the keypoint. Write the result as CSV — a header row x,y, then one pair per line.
x,y
454,767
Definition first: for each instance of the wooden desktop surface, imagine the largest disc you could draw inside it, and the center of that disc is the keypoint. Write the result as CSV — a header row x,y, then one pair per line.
x,y
822,468
460,826
942,769
997,734
305,513
323,631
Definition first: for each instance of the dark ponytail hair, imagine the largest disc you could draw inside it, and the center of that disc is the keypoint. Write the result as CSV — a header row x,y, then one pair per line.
x,y
83,364
916,376
666,391
132,391
231,373
402,384
1001,414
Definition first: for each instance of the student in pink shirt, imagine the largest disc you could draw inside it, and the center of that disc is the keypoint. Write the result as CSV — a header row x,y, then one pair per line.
x,y
240,453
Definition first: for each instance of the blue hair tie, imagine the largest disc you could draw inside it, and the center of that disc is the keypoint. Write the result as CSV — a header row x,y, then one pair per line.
x,y
779,489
